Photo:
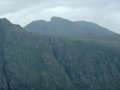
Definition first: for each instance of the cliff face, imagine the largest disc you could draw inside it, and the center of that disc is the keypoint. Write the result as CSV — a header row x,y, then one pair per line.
x,y
29,61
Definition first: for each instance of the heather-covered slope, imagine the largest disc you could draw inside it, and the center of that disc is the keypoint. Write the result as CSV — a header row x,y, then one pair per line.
x,y
31,61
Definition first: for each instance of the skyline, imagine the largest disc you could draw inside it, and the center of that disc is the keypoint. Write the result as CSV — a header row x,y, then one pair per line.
x,y
105,13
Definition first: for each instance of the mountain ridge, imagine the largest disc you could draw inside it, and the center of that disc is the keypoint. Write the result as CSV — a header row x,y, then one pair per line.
x,y
62,27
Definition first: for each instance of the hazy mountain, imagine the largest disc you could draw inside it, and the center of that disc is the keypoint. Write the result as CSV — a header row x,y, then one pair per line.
x,y
61,27
30,61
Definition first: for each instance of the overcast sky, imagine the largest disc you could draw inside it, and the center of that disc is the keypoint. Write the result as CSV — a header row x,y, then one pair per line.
x,y
102,12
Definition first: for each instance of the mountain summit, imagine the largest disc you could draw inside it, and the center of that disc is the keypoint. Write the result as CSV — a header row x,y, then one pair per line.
x,y
5,23
7,26
4,20
59,19
63,27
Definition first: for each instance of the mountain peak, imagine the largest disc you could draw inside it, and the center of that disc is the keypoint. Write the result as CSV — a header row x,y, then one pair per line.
x,y
5,23
58,19
4,20
6,26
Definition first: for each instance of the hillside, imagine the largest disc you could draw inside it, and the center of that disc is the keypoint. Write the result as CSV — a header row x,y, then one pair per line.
x,y
61,27
31,61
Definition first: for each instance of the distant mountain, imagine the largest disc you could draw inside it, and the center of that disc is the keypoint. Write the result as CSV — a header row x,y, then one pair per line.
x,y
62,27
31,61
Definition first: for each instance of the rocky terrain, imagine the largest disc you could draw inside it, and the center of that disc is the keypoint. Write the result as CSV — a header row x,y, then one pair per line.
x,y
33,61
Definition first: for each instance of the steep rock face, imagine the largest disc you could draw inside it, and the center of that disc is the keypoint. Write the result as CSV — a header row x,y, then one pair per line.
x,y
31,61
52,64
90,66
4,78
34,65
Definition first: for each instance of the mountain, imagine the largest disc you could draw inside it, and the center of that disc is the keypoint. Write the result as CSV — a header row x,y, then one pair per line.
x,y
61,27
31,61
